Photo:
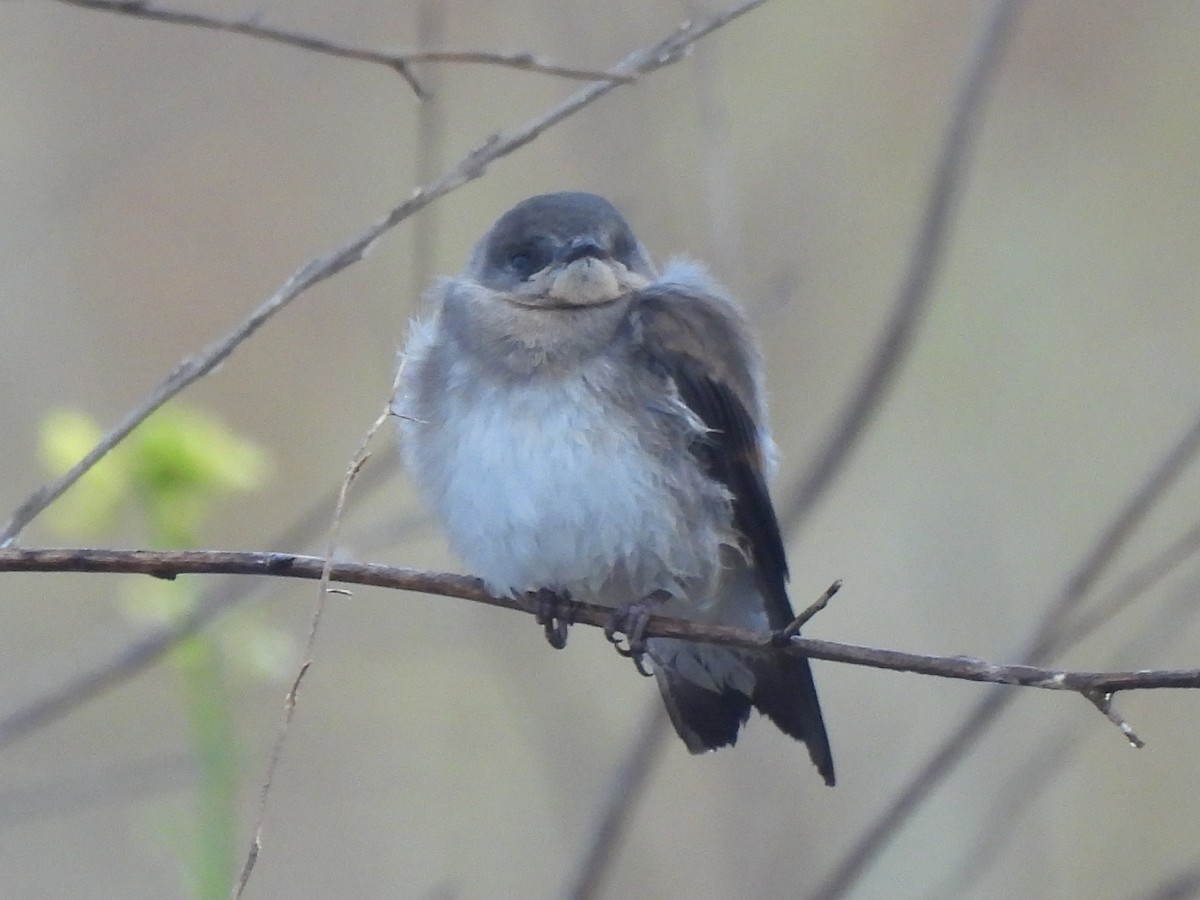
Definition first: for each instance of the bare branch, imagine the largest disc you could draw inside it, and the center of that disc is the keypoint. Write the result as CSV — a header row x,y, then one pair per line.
x,y
1103,702
923,262
1004,810
1131,587
427,151
172,563
599,850
523,60
61,700
250,27
1051,637
1180,886
652,58
1055,633
620,797
1029,777
399,61
310,642
102,785
793,628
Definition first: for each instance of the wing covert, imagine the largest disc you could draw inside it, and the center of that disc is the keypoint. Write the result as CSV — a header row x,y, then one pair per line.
x,y
697,342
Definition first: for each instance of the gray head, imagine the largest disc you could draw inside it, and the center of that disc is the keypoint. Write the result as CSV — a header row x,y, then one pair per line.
x,y
567,249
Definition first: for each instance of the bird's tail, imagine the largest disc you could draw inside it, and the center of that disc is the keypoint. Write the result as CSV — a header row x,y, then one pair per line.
x,y
709,692
784,692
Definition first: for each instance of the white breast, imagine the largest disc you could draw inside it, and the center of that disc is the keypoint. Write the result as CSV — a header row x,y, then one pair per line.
x,y
546,485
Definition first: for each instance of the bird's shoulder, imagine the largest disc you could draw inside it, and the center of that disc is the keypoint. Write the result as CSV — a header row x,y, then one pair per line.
x,y
684,324
687,332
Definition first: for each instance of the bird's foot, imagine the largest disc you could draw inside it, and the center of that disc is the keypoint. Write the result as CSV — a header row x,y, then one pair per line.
x,y
627,626
551,610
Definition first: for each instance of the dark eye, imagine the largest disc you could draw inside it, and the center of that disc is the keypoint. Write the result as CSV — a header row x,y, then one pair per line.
x,y
525,260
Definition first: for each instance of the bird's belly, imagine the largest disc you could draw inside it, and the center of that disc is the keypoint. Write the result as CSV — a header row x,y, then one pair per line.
x,y
550,488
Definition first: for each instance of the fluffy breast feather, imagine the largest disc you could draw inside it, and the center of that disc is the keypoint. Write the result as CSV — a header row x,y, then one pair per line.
x,y
556,483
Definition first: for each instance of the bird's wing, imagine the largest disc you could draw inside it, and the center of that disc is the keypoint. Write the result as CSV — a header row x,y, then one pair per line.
x,y
696,340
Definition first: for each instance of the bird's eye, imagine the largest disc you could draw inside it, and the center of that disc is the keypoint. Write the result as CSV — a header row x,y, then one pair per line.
x,y
525,260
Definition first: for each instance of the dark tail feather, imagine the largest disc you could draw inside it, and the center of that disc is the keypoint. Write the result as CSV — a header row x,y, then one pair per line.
x,y
784,692
704,718
708,712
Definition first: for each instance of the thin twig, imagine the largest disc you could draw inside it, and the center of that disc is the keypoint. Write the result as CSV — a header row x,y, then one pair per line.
x,y
1028,778
1004,810
101,785
310,642
427,154
720,194
1054,633
472,166
250,27
151,647
599,850
620,798
522,60
1132,586
923,262
1103,702
1051,637
1180,886
399,61
171,563
806,616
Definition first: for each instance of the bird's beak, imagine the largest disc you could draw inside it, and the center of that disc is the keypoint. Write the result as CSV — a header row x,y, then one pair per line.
x,y
586,275
584,248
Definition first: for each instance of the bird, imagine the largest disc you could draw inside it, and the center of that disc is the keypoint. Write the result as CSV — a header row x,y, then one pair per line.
x,y
587,427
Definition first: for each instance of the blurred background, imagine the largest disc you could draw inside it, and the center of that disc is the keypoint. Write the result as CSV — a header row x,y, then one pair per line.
x,y
158,181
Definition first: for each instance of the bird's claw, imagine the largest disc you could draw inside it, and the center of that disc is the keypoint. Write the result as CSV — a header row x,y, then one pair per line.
x,y
552,611
627,626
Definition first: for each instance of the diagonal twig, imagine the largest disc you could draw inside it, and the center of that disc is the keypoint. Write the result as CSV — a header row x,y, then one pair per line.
x,y
898,336
310,642
1102,700
916,287
149,648
1133,586
399,61
1182,885
522,60
806,616
1029,778
1004,811
1049,639
429,144
641,62
620,796
249,26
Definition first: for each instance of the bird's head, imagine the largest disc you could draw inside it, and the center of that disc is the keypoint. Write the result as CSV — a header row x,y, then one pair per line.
x,y
561,251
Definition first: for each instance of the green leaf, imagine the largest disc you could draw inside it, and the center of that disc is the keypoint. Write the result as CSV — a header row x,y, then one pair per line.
x,y
92,505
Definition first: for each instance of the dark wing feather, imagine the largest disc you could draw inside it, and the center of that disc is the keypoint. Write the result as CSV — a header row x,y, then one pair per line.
x,y
697,343
702,352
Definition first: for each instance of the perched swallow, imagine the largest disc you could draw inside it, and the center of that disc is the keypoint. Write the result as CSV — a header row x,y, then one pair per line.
x,y
586,427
